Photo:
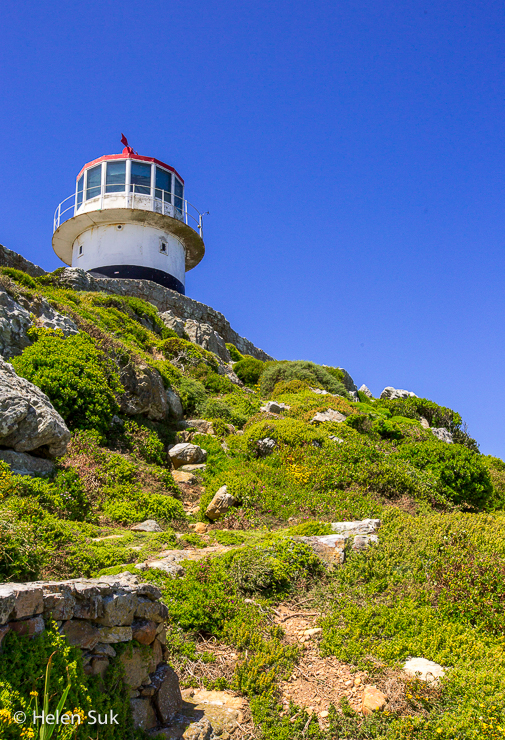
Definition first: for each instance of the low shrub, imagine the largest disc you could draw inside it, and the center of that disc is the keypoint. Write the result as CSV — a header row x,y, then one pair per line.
x,y
79,378
249,370
290,432
19,277
145,443
314,375
227,538
234,353
214,408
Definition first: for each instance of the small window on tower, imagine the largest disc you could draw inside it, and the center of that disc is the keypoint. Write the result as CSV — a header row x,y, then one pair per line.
x,y
80,250
163,248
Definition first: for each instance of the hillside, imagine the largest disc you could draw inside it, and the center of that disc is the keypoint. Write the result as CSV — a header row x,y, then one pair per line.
x,y
285,541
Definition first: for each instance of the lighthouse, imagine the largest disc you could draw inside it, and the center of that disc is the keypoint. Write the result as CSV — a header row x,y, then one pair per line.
x,y
129,218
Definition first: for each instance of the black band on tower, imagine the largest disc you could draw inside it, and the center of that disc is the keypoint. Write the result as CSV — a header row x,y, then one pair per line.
x,y
136,272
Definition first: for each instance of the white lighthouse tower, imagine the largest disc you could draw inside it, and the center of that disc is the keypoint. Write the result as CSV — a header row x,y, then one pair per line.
x,y
129,218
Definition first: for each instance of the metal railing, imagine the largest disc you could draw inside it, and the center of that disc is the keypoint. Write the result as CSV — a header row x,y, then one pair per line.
x,y
136,196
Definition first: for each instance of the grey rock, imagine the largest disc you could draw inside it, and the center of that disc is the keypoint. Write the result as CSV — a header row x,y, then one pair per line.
x,y
442,434
173,322
143,714
22,464
153,611
272,407
7,601
8,258
220,503
81,633
363,541
335,439
148,526
137,664
354,396
329,548
103,649
192,468
186,453
201,425
28,421
330,415
114,634
265,447
424,423
59,605
366,391
118,609
174,405
144,392
351,529
425,670
168,699
204,335
390,392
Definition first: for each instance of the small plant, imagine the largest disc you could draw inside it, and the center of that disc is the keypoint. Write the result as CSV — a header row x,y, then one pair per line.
x,y
249,370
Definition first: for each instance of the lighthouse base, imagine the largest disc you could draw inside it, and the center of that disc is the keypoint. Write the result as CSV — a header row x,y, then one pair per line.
x,y
138,272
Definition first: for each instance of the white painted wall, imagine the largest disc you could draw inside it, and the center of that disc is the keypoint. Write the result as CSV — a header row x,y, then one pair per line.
x,y
129,244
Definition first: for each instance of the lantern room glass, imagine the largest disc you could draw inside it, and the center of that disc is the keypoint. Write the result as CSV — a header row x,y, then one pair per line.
x,y
141,177
115,177
94,185
80,185
178,195
163,185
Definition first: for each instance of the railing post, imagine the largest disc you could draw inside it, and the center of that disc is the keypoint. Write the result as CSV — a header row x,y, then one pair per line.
x,y
59,214
186,212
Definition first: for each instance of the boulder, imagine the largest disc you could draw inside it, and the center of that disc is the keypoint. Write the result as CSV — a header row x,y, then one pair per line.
x,y
191,468
366,391
390,392
22,464
363,541
265,447
143,714
118,609
174,405
148,526
272,407
28,627
173,322
330,415
180,476
144,392
373,700
220,503
136,663
81,633
153,611
351,529
424,423
8,258
205,336
168,699
144,631
442,434
28,420
202,426
425,670
329,548
186,453
114,634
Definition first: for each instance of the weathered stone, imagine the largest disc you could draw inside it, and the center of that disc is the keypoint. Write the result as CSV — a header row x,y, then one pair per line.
x,y
202,426
173,322
442,434
174,405
137,664
28,600
220,503
153,611
148,589
59,606
330,415
143,714
273,407
329,548
390,392
22,464
81,633
205,336
180,476
186,453
425,670
373,700
366,391
28,421
8,258
191,468
144,632
114,634
424,423
363,541
265,447
3,631
200,528
168,699
118,609
103,649
99,666
7,601
29,627
148,526
157,657
91,608
144,392
351,529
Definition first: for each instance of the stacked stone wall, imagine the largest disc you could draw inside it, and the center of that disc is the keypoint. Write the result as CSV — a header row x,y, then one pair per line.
x,y
97,615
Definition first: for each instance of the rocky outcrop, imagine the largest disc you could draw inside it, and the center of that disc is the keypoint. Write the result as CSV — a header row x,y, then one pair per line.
x,y
272,407
28,420
442,434
390,392
144,392
22,464
186,454
16,319
8,258
366,391
329,415
354,536
165,300
95,614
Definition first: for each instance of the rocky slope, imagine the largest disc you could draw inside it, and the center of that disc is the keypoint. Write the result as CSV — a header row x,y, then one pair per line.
x,y
215,544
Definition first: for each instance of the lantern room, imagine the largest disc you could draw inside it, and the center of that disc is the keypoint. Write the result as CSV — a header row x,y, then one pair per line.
x,y
129,218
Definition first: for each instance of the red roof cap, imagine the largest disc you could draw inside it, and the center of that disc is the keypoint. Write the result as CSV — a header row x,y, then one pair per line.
x,y
129,155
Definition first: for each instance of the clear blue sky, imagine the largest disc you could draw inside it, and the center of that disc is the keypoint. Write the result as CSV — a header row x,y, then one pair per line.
x,y
350,155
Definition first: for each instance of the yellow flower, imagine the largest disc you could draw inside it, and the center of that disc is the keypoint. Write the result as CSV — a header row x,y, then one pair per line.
x,y
34,693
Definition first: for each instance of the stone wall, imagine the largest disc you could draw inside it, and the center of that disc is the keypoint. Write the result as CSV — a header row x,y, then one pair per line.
x,y
97,615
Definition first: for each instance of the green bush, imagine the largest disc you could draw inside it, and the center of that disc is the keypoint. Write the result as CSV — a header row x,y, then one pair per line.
x,y
249,370
192,393
289,386
314,375
19,277
145,443
214,408
64,496
79,378
462,476
291,432
234,353
20,558
227,538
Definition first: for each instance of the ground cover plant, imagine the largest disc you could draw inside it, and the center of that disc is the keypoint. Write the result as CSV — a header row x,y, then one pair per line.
x,y
432,587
